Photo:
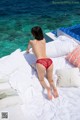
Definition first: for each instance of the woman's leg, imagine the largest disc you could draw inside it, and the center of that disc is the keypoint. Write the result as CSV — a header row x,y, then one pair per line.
x,y
49,74
41,73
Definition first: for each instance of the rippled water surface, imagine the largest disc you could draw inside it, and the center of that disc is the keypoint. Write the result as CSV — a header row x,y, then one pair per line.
x,y
17,17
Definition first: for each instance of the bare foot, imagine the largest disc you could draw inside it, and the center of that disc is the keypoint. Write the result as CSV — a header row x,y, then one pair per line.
x,y
49,94
55,92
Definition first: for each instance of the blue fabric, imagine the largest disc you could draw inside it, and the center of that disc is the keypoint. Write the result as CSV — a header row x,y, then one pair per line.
x,y
73,31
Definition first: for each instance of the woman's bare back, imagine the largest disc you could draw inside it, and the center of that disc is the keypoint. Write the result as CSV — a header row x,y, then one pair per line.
x,y
39,48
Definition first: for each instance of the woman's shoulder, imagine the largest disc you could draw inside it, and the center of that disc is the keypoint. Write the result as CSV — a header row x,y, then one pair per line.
x,y
32,41
44,40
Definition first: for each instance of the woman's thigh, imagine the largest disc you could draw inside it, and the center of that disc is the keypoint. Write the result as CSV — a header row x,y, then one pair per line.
x,y
49,72
41,71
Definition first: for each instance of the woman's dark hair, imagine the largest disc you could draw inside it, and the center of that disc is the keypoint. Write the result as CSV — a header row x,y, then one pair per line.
x,y
37,33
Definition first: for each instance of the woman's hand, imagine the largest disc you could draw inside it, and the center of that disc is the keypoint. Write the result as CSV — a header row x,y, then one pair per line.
x,y
49,93
27,51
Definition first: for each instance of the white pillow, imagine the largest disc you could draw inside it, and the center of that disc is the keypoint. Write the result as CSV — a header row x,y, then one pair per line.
x,y
10,101
13,62
60,63
68,77
3,77
9,97
7,93
60,47
5,85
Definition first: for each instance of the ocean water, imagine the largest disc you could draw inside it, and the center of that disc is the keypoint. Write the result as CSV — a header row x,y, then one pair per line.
x,y
17,17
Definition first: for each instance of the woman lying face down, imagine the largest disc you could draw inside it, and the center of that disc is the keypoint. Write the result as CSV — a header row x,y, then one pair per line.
x,y
43,63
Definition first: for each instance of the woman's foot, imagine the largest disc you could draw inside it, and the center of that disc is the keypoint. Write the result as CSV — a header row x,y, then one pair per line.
x,y
49,94
55,92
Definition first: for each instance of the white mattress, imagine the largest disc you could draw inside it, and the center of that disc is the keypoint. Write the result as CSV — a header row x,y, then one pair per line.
x,y
36,105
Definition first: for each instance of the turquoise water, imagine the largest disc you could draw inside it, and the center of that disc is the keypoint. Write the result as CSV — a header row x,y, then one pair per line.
x,y
18,17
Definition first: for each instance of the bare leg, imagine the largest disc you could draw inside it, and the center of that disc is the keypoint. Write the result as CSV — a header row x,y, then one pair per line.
x,y
41,72
49,75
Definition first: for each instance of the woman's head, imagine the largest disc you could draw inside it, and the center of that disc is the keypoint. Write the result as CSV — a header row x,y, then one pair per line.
x,y
37,33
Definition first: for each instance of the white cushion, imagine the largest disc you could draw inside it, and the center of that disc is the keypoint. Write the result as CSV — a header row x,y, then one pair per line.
x,y
60,63
3,77
10,101
60,47
5,85
68,77
9,97
13,62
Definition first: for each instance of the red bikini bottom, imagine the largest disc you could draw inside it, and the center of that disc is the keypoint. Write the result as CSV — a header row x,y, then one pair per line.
x,y
46,62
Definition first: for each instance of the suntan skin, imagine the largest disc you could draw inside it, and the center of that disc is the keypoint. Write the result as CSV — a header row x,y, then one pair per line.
x,y
39,49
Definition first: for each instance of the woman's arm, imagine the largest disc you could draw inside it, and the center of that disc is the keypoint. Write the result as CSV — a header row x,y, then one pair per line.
x,y
29,46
